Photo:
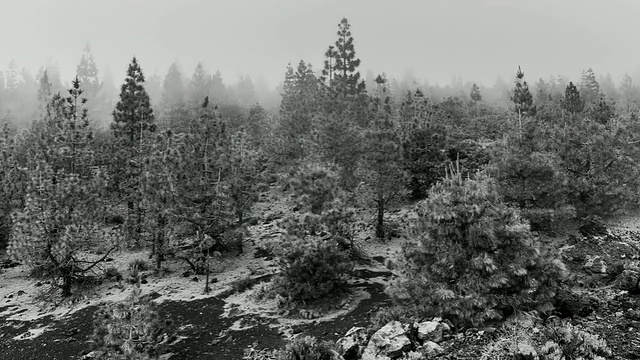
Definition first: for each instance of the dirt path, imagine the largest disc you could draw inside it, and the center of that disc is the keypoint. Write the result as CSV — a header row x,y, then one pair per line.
x,y
204,332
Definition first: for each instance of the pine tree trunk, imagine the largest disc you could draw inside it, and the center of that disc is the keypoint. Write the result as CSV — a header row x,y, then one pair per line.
x,y
380,222
66,281
159,246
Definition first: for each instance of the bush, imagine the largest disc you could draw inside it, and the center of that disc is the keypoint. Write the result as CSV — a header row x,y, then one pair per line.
x,y
112,274
129,330
135,268
311,268
555,342
307,348
474,258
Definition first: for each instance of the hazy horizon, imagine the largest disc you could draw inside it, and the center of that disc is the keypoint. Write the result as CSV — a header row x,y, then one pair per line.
x,y
435,41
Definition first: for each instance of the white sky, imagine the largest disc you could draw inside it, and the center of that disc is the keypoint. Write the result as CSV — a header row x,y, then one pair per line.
x,y
436,39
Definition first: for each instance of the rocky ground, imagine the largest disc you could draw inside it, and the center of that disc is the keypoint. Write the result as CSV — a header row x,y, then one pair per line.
x,y
231,319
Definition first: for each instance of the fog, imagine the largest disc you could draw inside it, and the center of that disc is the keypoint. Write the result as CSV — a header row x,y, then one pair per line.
x,y
431,40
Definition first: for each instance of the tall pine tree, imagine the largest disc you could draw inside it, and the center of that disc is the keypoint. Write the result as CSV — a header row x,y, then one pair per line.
x,y
133,121
342,64
173,88
87,72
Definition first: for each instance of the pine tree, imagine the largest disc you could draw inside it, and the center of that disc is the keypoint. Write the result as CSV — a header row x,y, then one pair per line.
x,y
10,183
531,177
199,86
381,171
44,93
288,102
522,97
87,72
543,92
242,176
602,111
245,92
133,116
629,94
157,190
475,93
342,65
300,104
474,259
63,204
608,87
328,72
201,193
12,79
572,102
133,122
589,87
173,88
218,91
423,143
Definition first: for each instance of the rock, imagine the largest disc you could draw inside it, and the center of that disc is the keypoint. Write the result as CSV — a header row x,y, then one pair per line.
x,y
430,330
90,355
390,341
569,303
632,314
195,278
595,264
430,349
352,344
629,280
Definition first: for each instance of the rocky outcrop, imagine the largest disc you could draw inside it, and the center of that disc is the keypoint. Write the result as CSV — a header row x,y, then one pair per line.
x,y
595,265
353,343
430,348
390,341
629,280
430,330
394,340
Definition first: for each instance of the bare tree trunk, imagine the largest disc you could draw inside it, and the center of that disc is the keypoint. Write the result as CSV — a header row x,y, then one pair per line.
x,y
380,221
159,246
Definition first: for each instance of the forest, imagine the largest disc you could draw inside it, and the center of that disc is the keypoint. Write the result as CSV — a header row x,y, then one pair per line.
x,y
340,217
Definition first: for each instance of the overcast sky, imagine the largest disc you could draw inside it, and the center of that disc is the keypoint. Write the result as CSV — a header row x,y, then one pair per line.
x,y
435,39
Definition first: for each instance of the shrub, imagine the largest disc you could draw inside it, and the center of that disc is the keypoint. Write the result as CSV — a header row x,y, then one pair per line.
x,y
474,258
308,348
139,265
111,273
135,268
311,268
131,329
554,342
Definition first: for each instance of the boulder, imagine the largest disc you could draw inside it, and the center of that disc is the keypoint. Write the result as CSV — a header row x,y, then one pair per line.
x,y
352,344
596,264
430,330
390,341
629,280
430,349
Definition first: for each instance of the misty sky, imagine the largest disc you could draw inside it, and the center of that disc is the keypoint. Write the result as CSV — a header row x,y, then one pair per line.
x,y
435,39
